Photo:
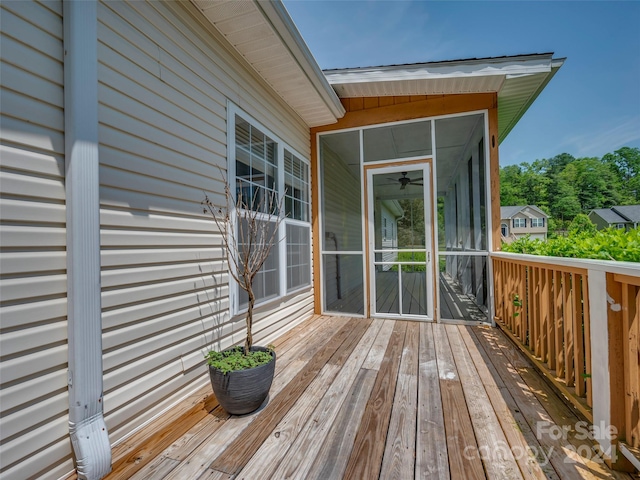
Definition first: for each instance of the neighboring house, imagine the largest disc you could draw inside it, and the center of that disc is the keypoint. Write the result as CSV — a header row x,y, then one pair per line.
x,y
116,119
518,221
626,216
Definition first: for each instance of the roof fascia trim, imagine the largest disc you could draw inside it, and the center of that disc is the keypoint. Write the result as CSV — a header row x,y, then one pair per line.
x,y
509,66
276,14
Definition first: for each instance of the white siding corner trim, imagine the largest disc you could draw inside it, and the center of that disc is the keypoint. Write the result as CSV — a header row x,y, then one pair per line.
x,y
87,427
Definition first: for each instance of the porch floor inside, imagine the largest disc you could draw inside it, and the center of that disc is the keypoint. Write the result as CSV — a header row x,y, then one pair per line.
x,y
358,398
455,305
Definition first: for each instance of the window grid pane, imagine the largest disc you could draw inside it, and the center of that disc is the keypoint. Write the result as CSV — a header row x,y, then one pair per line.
x,y
298,257
296,179
265,283
256,166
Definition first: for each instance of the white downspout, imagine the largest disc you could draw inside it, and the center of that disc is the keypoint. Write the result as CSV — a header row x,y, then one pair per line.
x,y
87,428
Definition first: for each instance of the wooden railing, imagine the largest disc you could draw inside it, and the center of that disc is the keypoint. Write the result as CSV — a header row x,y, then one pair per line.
x,y
572,318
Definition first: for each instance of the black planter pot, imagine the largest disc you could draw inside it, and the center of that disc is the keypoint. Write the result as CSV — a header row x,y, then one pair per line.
x,y
243,391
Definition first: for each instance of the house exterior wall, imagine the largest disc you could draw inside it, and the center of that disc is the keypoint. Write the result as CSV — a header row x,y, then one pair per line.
x,y
163,94
33,342
165,77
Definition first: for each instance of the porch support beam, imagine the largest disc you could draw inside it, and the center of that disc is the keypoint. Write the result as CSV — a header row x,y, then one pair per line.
x,y
607,367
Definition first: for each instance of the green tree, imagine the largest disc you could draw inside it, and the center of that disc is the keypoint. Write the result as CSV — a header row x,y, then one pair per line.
x,y
597,185
625,163
512,191
581,224
565,203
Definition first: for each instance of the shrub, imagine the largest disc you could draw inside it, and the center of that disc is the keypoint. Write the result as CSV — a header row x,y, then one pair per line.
x,y
610,244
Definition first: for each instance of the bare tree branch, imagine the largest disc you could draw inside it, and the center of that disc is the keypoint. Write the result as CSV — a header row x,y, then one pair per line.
x,y
249,231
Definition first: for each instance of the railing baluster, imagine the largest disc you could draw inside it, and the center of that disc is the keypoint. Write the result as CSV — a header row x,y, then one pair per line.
x,y
559,320
551,335
587,339
578,335
534,332
568,329
544,315
525,304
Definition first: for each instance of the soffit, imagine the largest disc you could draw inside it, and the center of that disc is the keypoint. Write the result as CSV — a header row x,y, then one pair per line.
x,y
517,80
265,36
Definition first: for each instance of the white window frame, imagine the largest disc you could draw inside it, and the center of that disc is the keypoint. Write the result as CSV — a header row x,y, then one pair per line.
x,y
281,145
519,220
537,220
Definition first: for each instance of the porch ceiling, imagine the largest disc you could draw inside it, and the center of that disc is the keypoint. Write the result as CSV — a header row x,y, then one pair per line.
x,y
266,37
518,80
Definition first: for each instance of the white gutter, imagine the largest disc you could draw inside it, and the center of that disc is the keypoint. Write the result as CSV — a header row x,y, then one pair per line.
x,y
87,428
283,25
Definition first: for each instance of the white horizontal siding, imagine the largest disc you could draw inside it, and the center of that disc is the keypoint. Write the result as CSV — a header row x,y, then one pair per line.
x,y
163,92
33,342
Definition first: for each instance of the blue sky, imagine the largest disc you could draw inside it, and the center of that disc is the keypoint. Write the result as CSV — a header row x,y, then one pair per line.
x,y
592,105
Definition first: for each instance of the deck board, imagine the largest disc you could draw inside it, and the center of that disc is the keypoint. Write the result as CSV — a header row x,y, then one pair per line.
x,y
432,459
367,452
379,399
400,451
457,422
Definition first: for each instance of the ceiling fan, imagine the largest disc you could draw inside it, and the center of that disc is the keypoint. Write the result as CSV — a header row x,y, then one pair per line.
x,y
404,181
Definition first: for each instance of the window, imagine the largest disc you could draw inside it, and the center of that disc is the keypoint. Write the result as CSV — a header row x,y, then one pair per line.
x,y
620,226
519,222
296,179
504,229
537,222
263,166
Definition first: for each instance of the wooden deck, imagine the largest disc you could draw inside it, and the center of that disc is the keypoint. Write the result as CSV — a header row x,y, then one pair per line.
x,y
366,399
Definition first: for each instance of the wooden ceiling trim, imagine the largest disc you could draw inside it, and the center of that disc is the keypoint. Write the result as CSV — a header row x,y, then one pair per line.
x,y
363,111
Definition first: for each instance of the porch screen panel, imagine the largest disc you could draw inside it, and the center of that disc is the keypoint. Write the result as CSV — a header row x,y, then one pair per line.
x,y
341,215
463,287
341,199
462,218
343,283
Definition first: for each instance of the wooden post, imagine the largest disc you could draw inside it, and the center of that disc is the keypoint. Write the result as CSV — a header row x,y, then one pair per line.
x,y
615,336
630,311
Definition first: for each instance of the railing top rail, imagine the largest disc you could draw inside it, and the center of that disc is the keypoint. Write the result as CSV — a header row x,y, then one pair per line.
x,y
624,268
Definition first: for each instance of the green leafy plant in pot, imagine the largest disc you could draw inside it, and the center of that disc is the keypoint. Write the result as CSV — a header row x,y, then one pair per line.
x,y
241,376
